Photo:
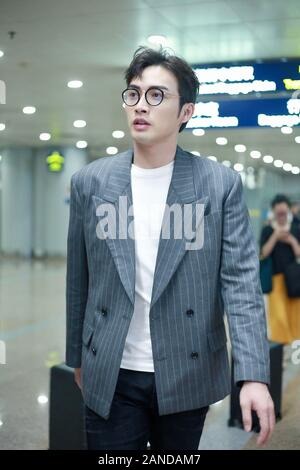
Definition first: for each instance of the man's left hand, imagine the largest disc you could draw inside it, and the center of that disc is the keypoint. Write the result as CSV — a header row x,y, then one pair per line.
x,y
255,396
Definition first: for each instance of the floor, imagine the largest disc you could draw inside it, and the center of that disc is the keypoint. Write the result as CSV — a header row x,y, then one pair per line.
x,y
32,332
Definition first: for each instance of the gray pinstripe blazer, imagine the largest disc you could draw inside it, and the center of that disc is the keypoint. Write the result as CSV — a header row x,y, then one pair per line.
x,y
191,289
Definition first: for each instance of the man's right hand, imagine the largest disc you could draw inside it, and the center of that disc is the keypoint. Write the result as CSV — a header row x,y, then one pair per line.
x,y
77,376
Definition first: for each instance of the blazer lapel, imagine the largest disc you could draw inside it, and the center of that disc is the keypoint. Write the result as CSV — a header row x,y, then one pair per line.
x,y
118,192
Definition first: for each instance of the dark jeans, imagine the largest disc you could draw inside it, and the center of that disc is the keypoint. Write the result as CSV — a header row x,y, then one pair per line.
x,y
134,420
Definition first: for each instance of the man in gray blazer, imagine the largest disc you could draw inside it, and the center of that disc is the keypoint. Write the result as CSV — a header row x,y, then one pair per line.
x,y
159,247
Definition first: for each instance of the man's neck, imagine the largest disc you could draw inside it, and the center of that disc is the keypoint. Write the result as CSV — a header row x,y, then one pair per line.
x,y
153,156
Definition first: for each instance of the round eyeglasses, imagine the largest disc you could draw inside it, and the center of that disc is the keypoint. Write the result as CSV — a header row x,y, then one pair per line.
x,y
153,96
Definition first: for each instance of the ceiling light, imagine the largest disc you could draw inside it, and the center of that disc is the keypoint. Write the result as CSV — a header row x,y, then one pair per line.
x,y
1,423
29,110
111,150
1,53
42,399
194,152
81,144
118,134
287,167
255,154
45,136
278,163
221,140
198,132
227,163
297,139
268,159
240,148
238,167
75,84
158,39
286,130
79,123
295,170
2,126
213,158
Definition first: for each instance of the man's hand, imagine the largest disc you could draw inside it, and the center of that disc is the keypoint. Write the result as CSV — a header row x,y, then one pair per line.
x,y
255,396
77,376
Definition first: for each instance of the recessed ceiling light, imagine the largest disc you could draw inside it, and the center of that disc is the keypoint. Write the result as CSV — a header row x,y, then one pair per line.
x,y
297,139
240,148
45,136
295,170
268,159
79,123
255,154
1,53
198,132
1,423
213,158
0,158
75,84
227,163
118,134
238,167
278,163
221,140
2,126
29,110
194,152
111,150
42,399
158,39
81,144
286,130
287,167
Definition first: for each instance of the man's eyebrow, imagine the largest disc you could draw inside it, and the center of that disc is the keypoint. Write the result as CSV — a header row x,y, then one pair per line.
x,y
162,87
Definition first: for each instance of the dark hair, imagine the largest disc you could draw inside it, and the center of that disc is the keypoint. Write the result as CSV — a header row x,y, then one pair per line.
x,y
188,83
280,198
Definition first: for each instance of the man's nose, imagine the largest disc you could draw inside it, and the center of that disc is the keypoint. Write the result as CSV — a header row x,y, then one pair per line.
x,y
142,106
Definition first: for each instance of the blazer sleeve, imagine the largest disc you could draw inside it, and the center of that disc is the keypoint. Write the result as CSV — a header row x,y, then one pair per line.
x,y
241,291
76,279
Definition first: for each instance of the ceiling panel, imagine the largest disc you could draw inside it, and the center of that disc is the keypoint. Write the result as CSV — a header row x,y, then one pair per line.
x,y
199,14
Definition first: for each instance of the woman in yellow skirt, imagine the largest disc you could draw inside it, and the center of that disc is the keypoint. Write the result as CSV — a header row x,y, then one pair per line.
x,y
281,240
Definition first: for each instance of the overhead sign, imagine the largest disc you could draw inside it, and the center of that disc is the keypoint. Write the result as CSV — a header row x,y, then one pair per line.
x,y
246,113
249,78
247,95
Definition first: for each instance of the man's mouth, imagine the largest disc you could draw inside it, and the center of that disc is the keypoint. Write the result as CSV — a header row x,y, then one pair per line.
x,y
141,124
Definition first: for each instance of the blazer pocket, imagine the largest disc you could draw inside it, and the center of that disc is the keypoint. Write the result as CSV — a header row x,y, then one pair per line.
x,y
217,339
87,334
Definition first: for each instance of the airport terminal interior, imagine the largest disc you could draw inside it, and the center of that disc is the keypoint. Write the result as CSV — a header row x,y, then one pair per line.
x,y
62,69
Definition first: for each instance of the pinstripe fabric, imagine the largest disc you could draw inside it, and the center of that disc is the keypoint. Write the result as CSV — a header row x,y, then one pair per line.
x,y
189,348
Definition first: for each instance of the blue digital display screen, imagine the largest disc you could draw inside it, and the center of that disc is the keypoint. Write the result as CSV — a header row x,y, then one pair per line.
x,y
248,95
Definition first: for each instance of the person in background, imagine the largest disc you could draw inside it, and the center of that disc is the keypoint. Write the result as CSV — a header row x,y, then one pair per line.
x,y
281,240
295,208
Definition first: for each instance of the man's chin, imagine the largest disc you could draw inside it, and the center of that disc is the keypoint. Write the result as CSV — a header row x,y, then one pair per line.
x,y
142,139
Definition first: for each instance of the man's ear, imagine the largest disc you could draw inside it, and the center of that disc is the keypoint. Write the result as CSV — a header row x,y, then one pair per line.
x,y
187,112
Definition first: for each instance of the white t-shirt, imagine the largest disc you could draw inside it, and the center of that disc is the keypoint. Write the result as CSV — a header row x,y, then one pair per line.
x,y
149,193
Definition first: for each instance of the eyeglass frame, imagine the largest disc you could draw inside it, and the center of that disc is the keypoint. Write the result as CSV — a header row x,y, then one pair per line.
x,y
140,95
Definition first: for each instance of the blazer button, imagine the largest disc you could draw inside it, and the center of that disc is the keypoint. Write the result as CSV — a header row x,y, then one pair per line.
x,y
190,313
104,311
94,351
194,355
